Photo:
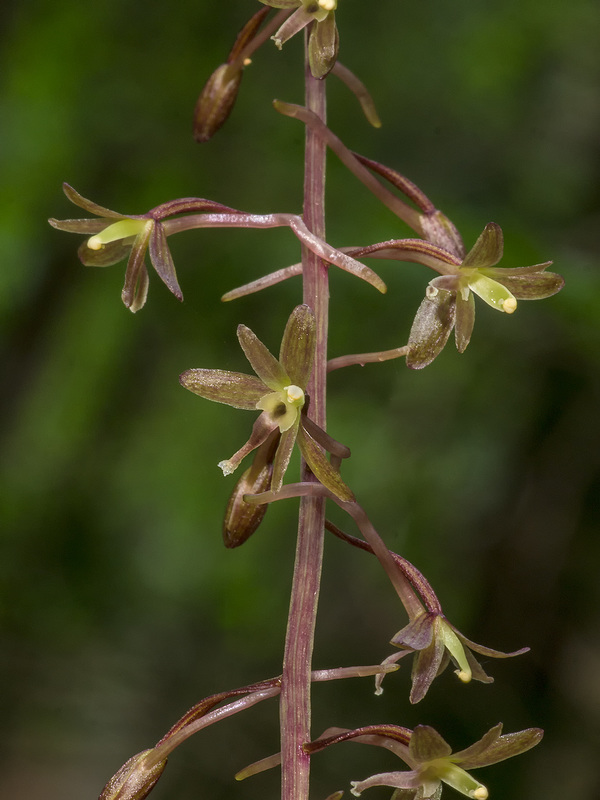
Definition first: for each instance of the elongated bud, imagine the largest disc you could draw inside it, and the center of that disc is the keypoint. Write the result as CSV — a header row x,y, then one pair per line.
x,y
135,780
216,101
241,518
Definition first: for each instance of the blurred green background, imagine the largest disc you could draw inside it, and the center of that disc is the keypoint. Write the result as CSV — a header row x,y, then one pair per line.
x,y
119,607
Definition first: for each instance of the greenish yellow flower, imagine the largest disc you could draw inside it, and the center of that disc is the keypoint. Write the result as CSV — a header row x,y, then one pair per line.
x,y
449,299
430,758
112,237
279,393
435,643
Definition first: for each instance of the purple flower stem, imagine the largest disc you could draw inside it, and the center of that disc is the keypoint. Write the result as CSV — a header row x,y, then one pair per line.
x,y
295,704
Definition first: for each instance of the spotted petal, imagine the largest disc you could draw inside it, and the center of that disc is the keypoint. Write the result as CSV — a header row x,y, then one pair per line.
x,y
232,388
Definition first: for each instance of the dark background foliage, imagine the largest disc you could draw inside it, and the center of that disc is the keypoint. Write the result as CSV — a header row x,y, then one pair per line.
x,y
119,608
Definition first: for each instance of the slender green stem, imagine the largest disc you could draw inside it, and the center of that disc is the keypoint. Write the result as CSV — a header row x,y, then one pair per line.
x,y
295,707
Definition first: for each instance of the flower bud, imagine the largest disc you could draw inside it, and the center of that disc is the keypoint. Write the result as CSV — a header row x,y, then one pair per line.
x,y
216,101
135,780
241,518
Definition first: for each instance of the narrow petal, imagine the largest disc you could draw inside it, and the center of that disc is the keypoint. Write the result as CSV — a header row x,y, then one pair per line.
x,y
298,345
531,287
85,226
88,205
477,672
425,669
283,455
135,266
266,366
465,319
321,468
426,744
487,651
232,388
261,430
141,291
469,756
506,746
162,260
399,780
281,3
324,439
431,328
293,25
488,249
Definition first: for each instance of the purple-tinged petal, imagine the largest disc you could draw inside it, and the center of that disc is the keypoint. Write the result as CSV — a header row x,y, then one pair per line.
x,y
465,319
266,366
506,746
293,25
417,635
261,430
232,388
106,256
283,455
398,780
425,669
135,266
88,205
297,351
426,744
488,248
431,328
393,659
162,260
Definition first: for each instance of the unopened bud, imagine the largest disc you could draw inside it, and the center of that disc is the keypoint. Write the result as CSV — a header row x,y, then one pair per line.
x,y
135,779
241,518
216,101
